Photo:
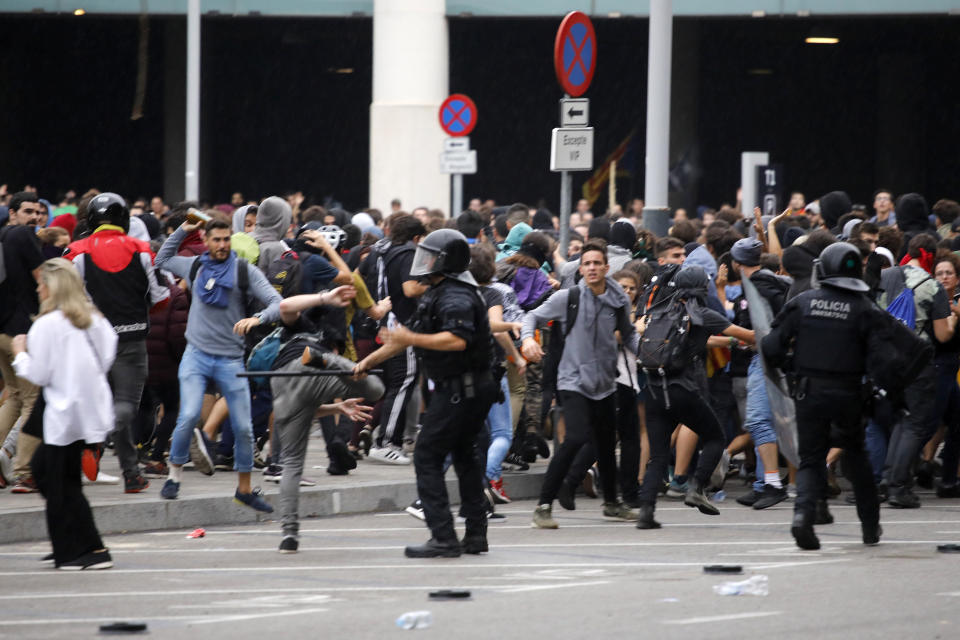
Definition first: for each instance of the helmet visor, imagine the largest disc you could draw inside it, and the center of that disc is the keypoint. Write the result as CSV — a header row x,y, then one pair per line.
x,y
424,262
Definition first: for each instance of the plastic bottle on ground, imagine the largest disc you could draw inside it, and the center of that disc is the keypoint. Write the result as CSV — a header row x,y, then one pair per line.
x,y
753,586
415,620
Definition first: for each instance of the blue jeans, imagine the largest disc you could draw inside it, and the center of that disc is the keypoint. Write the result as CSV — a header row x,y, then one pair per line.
x,y
759,419
501,432
196,369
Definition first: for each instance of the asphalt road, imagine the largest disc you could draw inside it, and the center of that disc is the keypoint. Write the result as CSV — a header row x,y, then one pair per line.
x,y
590,578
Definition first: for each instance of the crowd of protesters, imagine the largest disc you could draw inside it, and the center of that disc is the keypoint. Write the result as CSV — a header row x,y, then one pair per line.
x,y
196,294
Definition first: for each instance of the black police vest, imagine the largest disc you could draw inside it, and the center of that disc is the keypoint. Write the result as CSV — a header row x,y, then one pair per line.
x,y
121,296
441,304
831,339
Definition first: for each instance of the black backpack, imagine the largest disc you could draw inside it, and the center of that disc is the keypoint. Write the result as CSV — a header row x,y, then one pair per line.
x,y
285,274
895,355
664,346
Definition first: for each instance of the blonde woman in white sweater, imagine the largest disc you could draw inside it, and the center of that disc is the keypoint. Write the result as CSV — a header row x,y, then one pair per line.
x,y
67,352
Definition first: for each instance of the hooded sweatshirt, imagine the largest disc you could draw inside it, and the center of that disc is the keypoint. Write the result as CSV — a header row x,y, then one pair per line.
x,y
273,220
239,218
514,239
588,365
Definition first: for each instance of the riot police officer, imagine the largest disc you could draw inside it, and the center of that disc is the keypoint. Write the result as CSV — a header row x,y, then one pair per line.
x,y
451,334
821,336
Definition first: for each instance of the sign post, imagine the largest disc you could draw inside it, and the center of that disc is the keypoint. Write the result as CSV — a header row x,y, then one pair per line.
x,y
571,147
458,117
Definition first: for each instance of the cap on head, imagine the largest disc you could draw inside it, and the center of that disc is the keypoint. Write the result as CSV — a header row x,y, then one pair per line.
x,y
747,251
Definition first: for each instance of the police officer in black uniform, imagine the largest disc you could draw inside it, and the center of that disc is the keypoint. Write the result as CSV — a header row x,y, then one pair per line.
x,y
451,335
821,336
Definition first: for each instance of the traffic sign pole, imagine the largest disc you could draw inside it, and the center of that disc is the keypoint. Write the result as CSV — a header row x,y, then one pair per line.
x,y
566,193
457,195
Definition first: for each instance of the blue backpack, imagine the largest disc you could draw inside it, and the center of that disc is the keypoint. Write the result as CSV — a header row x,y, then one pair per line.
x,y
263,355
903,307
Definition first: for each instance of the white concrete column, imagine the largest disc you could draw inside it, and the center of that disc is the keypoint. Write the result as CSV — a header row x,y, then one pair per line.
x,y
656,215
410,80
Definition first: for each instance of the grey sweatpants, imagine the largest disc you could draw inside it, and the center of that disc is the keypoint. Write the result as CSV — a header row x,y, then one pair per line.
x,y
295,401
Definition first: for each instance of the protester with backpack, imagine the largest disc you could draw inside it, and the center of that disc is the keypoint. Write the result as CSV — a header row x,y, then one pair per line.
x,y
912,295
215,328
586,381
675,332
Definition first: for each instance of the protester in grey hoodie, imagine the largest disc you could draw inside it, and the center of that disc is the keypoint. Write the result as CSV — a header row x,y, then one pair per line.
x,y
273,220
587,379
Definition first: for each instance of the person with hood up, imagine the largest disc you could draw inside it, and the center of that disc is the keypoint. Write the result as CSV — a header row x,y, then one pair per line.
x,y
514,239
587,378
832,206
621,237
273,221
244,221
913,218
797,260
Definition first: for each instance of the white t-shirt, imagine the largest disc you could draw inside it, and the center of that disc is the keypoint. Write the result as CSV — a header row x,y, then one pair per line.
x,y
73,373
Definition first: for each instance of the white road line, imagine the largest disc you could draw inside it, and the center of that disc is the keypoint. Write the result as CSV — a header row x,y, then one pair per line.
x,y
544,587
260,570
254,616
16,623
725,618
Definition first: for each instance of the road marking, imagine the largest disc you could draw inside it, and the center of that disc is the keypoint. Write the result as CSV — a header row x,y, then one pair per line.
x,y
724,618
259,569
543,587
254,616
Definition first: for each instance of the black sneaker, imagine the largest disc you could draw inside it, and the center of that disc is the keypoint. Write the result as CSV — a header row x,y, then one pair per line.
x,y
434,549
223,463
133,482
254,500
513,462
871,533
749,499
948,491
340,456
272,473
93,561
416,510
905,499
200,453
645,518
543,449
925,471
769,496
289,544
474,545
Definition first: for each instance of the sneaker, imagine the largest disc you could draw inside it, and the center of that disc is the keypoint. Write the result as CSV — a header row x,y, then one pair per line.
x,y
696,498
924,475
223,463
170,490
769,496
678,489
590,482
514,462
719,475
289,544
133,482
24,484
416,510
474,544
543,518
645,518
388,455
340,456
565,496
802,531
272,473
496,493
48,558
792,491
307,482
529,450
200,454
823,515
155,469
94,560
619,511
543,448
102,478
254,500
871,534
749,499
90,462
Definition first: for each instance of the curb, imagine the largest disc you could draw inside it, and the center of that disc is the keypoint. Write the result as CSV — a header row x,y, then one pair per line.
x,y
208,510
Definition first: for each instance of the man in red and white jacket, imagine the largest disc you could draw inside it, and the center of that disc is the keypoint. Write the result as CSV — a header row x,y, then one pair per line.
x,y
118,273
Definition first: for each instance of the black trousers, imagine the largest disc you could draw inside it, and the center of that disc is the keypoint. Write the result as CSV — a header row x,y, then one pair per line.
x,y
628,431
688,408
452,425
588,422
912,431
831,414
69,519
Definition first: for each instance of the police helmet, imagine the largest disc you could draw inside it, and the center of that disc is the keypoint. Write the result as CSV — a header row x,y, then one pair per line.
x,y
443,251
108,208
840,266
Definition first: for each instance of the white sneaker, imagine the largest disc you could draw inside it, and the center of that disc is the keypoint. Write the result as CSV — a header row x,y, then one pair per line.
x,y
307,482
102,478
388,455
792,491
